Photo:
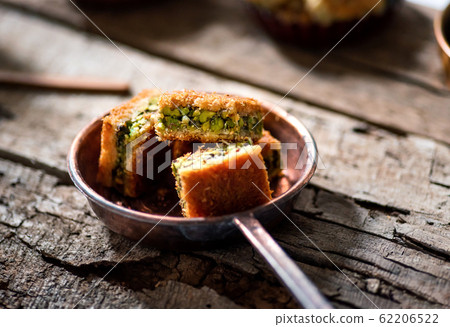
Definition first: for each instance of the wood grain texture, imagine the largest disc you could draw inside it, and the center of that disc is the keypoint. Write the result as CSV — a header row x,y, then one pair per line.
x,y
382,194
391,79
440,170
54,251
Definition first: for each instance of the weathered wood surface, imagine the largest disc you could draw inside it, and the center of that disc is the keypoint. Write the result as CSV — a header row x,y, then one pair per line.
x,y
54,251
383,194
393,79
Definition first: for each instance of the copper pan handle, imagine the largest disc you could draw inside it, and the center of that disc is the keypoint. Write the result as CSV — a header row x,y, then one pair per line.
x,y
298,284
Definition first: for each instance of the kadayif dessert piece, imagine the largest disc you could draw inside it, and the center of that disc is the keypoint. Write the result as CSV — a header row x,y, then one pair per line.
x,y
208,117
133,121
221,180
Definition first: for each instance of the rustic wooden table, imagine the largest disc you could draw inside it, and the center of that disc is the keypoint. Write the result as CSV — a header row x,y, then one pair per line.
x,y
378,207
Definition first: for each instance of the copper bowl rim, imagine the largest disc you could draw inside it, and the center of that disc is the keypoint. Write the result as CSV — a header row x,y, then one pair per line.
x,y
438,30
294,189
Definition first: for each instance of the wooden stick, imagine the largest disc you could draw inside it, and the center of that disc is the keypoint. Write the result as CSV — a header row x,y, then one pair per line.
x,y
63,83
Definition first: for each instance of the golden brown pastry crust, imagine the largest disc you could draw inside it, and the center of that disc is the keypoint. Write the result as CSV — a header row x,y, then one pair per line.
x,y
217,190
209,101
108,154
203,137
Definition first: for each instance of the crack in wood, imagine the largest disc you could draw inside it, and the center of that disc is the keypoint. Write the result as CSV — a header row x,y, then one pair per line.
x,y
412,243
62,175
399,213
389,210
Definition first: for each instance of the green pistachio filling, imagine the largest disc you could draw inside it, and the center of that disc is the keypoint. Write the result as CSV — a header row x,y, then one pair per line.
x,y
128,132
221,122
175,167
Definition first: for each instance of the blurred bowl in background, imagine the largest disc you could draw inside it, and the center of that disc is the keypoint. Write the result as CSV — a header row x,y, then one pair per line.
x,y
291,21
442,33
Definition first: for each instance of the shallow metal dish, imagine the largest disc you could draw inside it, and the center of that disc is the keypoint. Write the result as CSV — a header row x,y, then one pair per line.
x,y
125,216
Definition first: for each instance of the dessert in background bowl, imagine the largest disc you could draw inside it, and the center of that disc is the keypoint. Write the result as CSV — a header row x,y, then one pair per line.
x,y
319,22
442,34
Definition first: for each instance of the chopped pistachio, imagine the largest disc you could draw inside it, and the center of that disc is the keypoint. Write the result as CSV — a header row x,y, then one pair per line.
x,y
185,120
229,124
206,126
217,124
206,115
184,110
174,112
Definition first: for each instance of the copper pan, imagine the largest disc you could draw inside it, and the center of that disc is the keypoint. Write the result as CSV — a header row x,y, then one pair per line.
x,y
178,233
